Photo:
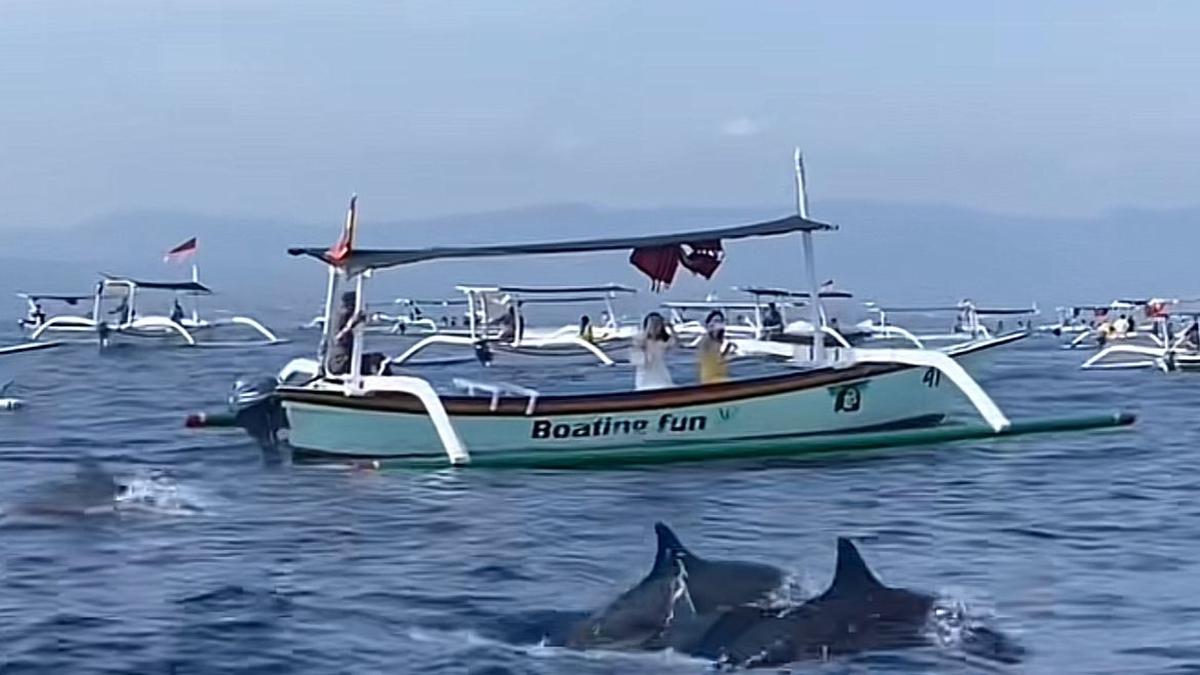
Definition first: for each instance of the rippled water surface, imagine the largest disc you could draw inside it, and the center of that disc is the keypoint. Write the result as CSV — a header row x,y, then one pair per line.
x,y
1083,547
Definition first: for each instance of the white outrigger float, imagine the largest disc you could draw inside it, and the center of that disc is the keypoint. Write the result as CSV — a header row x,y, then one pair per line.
x,y
180,326
826,399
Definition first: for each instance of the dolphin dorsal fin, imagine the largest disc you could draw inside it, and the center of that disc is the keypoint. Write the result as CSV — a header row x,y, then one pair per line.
x,y
851,573
670,550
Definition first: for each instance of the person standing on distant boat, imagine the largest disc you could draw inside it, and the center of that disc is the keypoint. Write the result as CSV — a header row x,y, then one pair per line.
x,y
772,322
649,355
713,350
123,310
585,329
1192,334
176,311
36,316
342,338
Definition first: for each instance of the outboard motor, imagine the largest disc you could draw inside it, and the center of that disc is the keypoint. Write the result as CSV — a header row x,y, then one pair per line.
x,y
256,408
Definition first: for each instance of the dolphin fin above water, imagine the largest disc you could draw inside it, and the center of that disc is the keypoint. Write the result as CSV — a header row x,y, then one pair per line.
x,y
680,589
851,576
855,614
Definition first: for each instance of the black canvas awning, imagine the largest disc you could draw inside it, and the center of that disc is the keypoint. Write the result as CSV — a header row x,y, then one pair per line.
x,y
359,260
193,287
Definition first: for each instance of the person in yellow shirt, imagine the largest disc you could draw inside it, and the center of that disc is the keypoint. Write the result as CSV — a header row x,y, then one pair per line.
x,y
713,350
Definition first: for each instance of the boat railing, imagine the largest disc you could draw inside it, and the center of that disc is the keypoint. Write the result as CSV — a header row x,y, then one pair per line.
x,y
498,389
950,369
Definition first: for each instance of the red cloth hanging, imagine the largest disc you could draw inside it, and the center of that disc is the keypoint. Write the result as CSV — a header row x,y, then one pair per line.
x,y
660,263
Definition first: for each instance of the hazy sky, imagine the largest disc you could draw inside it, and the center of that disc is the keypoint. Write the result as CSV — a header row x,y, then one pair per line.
x,y
282,108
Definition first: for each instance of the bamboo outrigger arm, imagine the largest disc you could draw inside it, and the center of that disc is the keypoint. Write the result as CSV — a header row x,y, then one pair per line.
x,y
948,367
425,393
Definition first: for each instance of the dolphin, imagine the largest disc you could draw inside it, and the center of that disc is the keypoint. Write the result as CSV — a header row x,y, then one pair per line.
x,y
90,491
676,600
857,613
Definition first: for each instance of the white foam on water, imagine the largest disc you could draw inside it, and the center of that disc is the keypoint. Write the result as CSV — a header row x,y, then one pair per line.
x,y
469,638
156,493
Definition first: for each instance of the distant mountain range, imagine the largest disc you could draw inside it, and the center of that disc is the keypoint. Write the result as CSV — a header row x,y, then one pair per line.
x,y
889,252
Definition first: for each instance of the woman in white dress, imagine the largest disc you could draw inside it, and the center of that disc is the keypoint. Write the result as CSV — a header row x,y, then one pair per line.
x,y
649,354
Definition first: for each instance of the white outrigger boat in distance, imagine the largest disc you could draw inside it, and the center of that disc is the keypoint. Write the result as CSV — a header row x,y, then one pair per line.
x,y
495,316
823,400
1163,345
180,327
968,325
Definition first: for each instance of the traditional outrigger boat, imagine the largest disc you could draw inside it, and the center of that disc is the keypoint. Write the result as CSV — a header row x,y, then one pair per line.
x,y
968,330
1162,345
1114,322
180,326
496,317
825,400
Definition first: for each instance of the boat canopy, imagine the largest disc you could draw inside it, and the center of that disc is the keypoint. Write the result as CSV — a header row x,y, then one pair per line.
x,y
981,311
193,287
787,293
359,260
554,290
711,304
69,299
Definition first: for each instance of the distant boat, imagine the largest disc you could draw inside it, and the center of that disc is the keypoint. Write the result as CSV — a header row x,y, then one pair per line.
x,y
124,321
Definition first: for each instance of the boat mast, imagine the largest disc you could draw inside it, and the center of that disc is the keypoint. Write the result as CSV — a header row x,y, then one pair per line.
x,y
328,330
359,331
818,335
195,297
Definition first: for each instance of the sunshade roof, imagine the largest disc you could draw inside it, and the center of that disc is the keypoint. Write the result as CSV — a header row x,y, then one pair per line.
x,y
70,299
364,259
178,286
982,311
786,293
557,290
709,304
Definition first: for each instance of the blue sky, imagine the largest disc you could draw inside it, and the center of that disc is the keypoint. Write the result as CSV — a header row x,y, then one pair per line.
x,y
280,109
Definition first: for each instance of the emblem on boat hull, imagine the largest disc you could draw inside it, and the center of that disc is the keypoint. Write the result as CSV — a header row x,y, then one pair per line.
x,y
847,398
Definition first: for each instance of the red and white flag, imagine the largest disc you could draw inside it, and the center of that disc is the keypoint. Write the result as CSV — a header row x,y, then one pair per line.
x,y
341,250
181,252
